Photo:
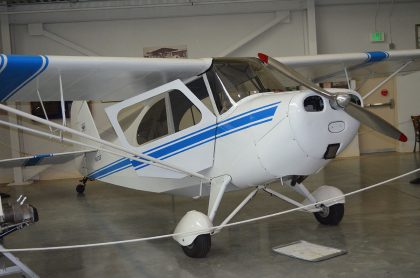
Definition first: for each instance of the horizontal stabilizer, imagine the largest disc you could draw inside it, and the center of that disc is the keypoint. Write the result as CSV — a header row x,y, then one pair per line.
x,y
42,159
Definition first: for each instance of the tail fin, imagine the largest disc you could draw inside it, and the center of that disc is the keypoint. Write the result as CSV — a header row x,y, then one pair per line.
x,y
82,120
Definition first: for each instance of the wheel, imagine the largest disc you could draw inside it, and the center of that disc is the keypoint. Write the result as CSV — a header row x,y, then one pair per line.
x,y
199,248
330,215
80,188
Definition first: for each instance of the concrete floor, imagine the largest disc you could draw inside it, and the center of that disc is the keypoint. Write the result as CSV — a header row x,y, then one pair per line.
x,y
380,229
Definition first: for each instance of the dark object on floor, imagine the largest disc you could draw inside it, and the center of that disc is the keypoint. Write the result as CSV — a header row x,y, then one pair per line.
x,y
4,195
415,181
416,124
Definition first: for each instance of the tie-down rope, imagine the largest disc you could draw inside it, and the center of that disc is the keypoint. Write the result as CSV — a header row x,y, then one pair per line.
x,y
206,230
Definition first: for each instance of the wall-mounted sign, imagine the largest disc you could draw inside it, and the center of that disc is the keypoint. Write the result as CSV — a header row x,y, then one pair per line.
x,y
165,52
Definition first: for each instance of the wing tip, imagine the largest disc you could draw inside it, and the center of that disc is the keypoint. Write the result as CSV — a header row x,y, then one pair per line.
x,y
403,138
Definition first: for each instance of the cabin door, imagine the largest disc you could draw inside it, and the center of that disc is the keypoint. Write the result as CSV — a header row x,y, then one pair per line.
x,y
168,123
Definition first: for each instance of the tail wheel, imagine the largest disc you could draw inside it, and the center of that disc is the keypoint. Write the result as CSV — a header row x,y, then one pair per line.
x,y
330,215
199,248
80,188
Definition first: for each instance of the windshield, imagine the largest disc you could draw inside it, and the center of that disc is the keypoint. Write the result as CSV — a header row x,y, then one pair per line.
x,y
232,79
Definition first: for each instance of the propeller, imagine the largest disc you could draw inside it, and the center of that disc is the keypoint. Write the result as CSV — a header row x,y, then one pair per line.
x,y
339,101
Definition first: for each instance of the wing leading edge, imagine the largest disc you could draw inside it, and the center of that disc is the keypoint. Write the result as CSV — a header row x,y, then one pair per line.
x,y
331,67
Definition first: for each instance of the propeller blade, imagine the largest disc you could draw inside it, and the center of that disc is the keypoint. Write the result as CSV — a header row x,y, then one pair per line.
x,y
295,76
339,101
374,122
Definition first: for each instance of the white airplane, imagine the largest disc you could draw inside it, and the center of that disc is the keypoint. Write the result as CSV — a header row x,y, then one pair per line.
x,y
200,127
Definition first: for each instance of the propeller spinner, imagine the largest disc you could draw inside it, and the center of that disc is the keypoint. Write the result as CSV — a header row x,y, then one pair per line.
x,y
338,101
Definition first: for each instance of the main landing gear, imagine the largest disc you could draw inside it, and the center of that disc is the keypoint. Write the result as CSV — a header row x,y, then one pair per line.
x,y
80,188
199,247
195,229
330,215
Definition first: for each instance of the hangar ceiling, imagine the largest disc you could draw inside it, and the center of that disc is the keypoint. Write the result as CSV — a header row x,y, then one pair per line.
x,y
54,11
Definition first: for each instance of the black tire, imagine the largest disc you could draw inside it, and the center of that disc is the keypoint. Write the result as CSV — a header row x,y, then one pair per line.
x,y
199,248
333,217
80,188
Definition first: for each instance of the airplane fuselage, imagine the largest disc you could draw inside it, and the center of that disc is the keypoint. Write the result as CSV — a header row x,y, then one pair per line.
x,y
263,138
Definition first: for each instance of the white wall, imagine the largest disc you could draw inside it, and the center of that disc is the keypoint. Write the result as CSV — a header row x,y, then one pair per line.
x,y
347,28
409,105
340,28
205,36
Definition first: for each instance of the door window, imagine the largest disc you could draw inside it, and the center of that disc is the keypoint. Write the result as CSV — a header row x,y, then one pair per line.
x,y
158,117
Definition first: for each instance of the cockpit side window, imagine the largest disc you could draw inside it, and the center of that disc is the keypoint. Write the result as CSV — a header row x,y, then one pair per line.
x,y
232,79
199,89
221,96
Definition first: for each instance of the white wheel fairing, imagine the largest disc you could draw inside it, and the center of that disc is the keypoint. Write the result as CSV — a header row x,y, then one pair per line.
x,y
326,192
191,222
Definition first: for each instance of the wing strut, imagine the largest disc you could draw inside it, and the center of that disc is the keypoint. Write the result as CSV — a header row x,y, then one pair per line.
x,y
149,159
347,78
43,107
387,79
63,109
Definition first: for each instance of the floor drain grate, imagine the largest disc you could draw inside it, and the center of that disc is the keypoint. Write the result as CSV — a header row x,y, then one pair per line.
x,y
307,251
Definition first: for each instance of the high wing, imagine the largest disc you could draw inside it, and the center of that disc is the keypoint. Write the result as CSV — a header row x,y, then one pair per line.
x,y
42,159
89,78
115,79
331,67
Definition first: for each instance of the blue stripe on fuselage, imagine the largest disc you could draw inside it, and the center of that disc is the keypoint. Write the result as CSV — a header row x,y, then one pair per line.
x,y
115,166
246,120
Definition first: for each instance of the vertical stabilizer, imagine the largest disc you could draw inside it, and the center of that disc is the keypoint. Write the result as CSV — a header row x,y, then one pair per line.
x,y
82,120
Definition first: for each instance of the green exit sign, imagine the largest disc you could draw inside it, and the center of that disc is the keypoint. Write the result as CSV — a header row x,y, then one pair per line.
x,y
377,37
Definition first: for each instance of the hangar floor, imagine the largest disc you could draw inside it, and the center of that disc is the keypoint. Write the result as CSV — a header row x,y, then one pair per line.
x,y
380,229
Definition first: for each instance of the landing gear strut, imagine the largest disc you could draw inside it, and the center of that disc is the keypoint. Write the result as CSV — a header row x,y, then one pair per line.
x,y
80,188
195,229
197,245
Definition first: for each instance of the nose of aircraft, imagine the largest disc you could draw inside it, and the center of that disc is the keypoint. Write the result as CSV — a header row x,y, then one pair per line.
x,y
320,131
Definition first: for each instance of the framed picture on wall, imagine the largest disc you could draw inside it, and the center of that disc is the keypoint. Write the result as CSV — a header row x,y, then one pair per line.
x,y
418,36
179,51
